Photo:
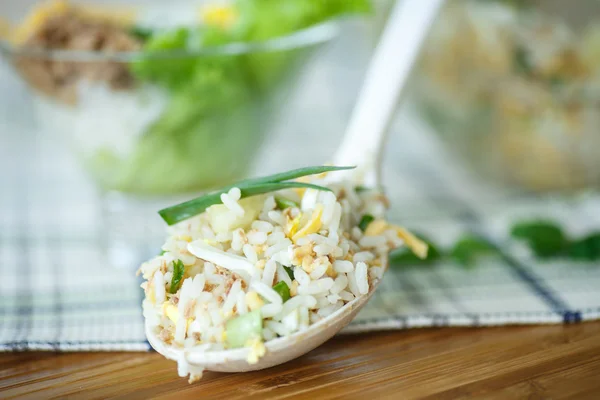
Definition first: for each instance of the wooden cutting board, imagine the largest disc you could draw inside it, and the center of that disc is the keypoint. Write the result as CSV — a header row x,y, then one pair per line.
x,y
554,362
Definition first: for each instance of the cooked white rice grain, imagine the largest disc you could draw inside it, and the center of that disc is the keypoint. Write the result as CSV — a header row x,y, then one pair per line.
x,y
268,334
343,266
256,237
232,297
346,295
372,241
159,287
333,298
262,226
330,309
316,287
340,283
277,327
240,304
232,205
268,275
301,276
270,310
352,283
291,321
277,217
277,247
319,270
250,253
282,275
307,302
362,279
234,194
266,292
363,256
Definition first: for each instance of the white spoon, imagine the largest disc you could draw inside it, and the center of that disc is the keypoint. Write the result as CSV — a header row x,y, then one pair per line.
x,y
388,71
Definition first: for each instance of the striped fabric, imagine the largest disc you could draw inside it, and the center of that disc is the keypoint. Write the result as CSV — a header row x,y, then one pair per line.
x,y
59,293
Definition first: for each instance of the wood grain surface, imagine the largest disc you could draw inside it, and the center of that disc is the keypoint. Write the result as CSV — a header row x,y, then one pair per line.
x,y
553,362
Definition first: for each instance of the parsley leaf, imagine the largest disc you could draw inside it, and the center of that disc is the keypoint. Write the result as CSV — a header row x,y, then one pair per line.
x,y
178,270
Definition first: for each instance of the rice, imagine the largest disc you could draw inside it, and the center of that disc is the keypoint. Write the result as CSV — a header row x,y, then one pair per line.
x,y
240,257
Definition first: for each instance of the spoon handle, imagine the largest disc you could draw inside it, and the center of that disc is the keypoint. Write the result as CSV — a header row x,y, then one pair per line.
x,y
389,69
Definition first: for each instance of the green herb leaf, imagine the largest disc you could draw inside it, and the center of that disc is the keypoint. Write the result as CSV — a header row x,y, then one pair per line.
x,y
283,289
243,328
545,238
469,248
283,203
405,257
162,253
290,272
586,249
178,270
249,187
365,221
360,189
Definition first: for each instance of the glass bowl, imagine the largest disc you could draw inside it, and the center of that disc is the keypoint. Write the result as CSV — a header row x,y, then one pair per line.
x,y
514,88
155,126
161,122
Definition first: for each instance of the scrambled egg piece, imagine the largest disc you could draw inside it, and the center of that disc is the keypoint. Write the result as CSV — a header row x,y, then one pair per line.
x,y
376,227
417,246
253,301
292,226
312,226
171,311
257,350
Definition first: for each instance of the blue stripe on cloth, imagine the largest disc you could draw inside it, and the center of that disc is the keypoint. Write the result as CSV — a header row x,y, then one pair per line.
x,y
534,282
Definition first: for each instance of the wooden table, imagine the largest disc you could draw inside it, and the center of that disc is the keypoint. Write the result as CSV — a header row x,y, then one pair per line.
x,y
505,363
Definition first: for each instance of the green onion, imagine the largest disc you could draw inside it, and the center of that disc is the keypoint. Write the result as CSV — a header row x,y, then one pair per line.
x,y
283,289
178,270
283,203
243,328
249,187
162,253
360,189
365,221
289,271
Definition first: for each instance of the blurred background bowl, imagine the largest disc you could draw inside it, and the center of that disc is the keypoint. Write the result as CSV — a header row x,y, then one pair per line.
x,y
159,120
513,88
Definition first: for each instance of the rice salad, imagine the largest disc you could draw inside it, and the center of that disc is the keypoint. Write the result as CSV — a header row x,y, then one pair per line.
x,y
249,270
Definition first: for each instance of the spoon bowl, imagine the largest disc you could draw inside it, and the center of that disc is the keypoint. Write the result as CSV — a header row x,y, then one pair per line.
x,y
363,146
278,351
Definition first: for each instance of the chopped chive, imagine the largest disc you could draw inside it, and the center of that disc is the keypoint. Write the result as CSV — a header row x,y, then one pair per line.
x,y
250,187
289,271
365,221
293,174
178,270
283,203
283,289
